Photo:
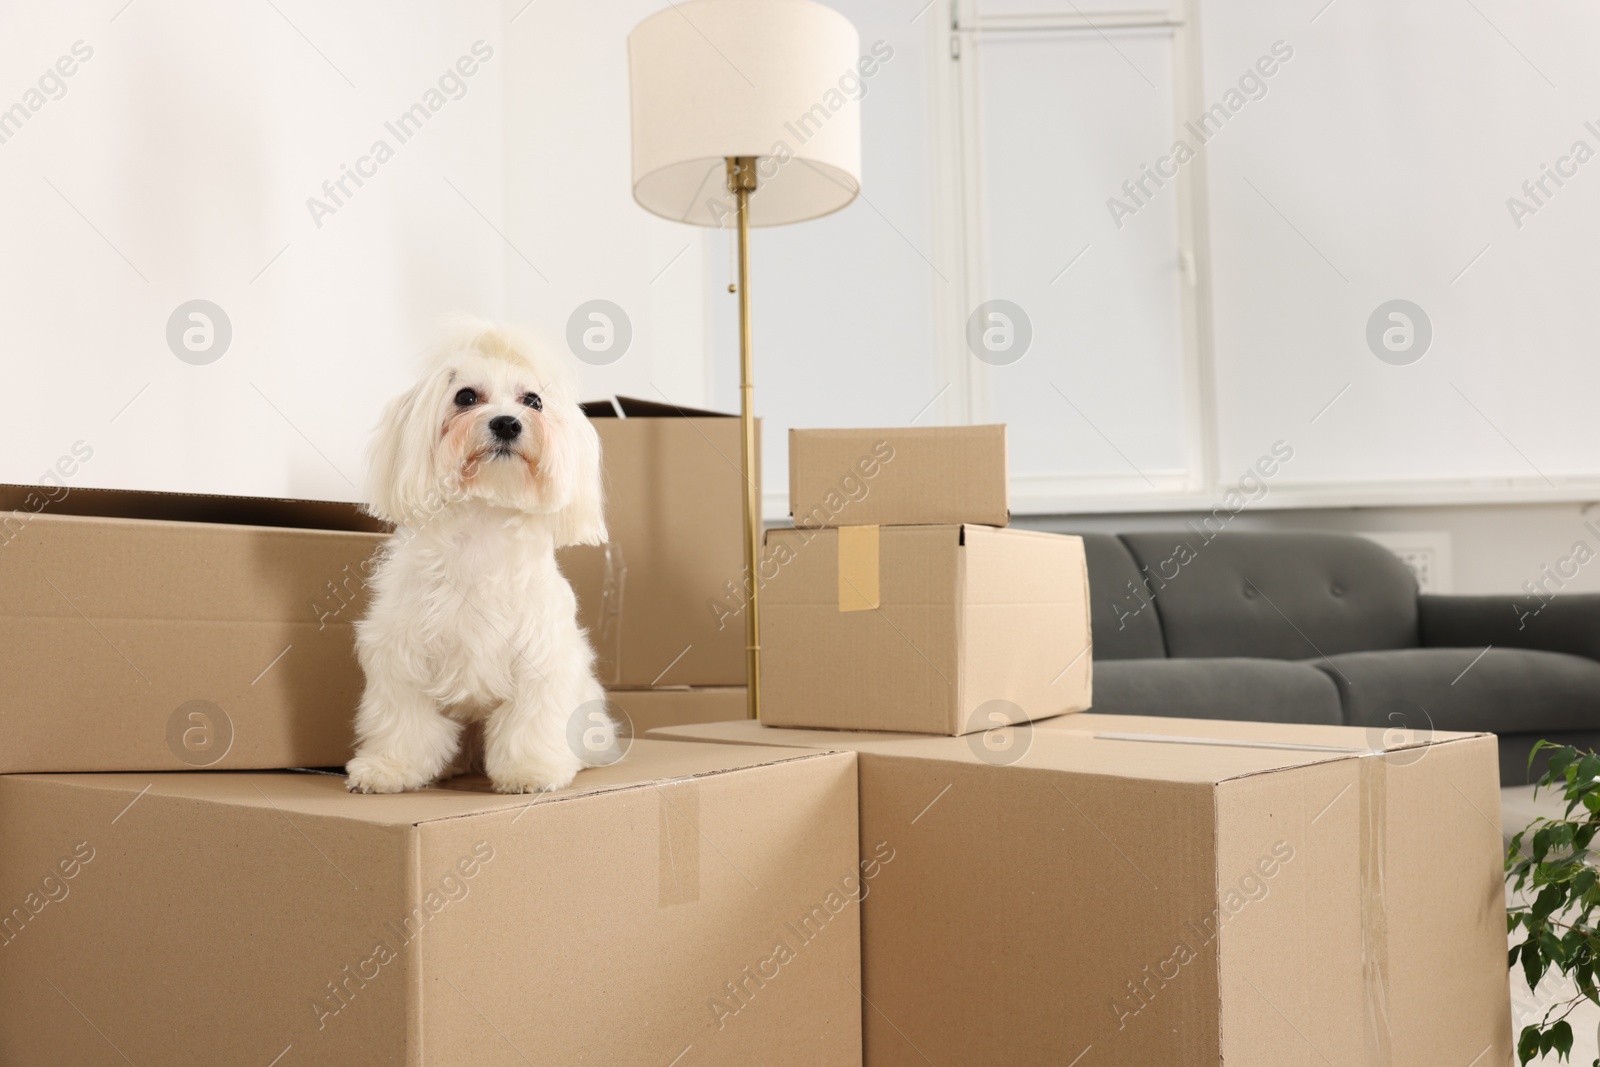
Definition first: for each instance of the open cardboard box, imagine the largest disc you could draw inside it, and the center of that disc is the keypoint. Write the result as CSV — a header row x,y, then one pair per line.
x,y
693,904
663,602
165,631
155,631
1129,891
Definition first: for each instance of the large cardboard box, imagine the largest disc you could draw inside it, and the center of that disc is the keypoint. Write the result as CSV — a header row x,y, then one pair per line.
x,y
647,709
664,601
1132,891
161,631
926,629
898,477
693,904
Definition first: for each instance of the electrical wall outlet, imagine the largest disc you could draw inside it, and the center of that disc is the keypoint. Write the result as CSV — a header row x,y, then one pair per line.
x,y
1427,553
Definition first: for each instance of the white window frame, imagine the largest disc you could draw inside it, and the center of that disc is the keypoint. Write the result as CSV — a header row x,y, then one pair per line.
x,y
956,27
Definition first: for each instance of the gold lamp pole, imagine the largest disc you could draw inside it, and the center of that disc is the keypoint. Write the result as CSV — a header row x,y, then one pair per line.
x,y
694,109
742,182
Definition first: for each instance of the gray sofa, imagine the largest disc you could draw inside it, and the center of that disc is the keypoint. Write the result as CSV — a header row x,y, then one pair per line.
x,y
1330,628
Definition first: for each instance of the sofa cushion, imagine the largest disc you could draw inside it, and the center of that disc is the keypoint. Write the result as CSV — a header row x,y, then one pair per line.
x,y
1279,595
1124,622
1258,690
1503,690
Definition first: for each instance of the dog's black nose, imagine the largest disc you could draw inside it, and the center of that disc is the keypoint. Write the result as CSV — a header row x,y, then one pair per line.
x,y
505,427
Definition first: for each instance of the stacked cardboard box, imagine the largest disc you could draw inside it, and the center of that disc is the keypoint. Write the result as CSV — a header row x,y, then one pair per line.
x,y
1130,891
699,905
663,601
707,898
900,602
1077,889
216,631
163,631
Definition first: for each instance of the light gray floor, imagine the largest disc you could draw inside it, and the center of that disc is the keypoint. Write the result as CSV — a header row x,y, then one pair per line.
x,y
1517,808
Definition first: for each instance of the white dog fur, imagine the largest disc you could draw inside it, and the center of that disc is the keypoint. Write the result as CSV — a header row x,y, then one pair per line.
x,y
471,618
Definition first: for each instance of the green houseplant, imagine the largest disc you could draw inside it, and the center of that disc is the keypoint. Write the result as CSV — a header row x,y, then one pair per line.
x,y
1550,867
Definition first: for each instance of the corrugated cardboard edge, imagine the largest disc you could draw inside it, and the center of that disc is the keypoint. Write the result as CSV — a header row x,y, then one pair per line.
x,y
791,478
1088,632
953,725
416,987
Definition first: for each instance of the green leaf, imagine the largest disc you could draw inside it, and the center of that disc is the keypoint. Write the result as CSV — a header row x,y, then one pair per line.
x,y
1549,900
1561,758
1528,1044
1561,1038
1532,966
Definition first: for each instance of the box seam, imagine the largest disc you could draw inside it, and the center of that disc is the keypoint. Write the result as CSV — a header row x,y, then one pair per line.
x,y
1357,755
652,784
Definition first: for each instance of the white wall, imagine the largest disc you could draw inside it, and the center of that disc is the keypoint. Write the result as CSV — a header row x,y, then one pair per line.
x,y
177,166
1379,166
577,233
843,306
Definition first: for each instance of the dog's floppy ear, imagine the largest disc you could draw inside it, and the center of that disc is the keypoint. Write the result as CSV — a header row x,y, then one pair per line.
x,y
403,486
583,520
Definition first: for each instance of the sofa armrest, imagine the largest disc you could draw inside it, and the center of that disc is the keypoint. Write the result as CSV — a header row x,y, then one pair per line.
x,y
1567,623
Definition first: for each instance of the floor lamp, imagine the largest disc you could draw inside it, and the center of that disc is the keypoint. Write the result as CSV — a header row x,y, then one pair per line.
x,y
746,113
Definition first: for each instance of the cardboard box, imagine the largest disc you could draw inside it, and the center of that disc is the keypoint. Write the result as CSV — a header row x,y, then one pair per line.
x,y
163,631
1177,891
647,709
899,477
663,602
926,629
633,918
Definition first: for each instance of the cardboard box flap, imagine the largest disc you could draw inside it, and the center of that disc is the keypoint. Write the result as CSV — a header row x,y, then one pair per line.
x,y
1109,746
302,793
631,407
1297,737
898,476
189,507
182,573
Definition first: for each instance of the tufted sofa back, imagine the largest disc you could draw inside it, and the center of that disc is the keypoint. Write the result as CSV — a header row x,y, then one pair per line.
x,y
1121,617
1286,595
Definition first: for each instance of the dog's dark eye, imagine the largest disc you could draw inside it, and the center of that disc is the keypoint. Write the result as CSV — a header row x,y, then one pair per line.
x,y
533,401
466,398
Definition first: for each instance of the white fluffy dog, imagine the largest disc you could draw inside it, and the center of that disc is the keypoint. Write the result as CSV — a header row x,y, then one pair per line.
x,y
485,467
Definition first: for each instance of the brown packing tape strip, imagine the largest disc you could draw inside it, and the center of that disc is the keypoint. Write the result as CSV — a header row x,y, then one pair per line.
x,y
1374,828
858,568
678,844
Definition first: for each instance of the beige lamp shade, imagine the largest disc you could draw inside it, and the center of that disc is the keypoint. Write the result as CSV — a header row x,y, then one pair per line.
x,y
777,80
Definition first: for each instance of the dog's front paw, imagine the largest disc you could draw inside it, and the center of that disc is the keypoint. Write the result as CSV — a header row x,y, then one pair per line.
x,y
379,774
534,777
